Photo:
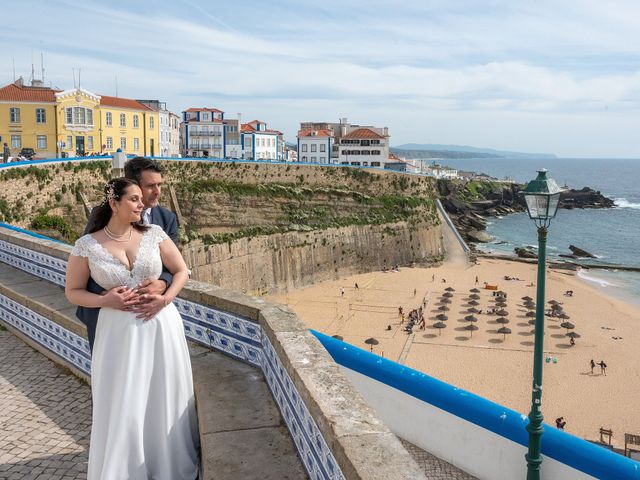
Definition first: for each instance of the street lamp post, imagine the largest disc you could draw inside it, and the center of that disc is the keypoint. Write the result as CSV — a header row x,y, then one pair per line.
x,y
541,196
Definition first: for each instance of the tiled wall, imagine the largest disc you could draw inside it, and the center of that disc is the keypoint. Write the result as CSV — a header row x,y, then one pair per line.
x,y
228,333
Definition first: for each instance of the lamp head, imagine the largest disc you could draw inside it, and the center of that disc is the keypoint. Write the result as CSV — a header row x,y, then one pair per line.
x,y
542,196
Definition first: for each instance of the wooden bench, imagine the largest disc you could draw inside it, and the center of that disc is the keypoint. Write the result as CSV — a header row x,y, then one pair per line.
x,y
629,440
605,433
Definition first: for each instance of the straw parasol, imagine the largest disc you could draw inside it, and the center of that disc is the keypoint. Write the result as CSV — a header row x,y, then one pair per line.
x,y
445,300
530,314
564,316
450,289
439,326
474,302
572,335
443,308
447,294
504,331
338,337
532,321
474,290
557,307
471,327
470,318
568,326
530,305
552,302
527,298
501,304
502,320
442,317
473,310
474,296
502,312
371,341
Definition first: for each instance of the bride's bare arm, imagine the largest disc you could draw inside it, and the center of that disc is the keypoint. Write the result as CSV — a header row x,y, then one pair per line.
x,y
76,288
172,259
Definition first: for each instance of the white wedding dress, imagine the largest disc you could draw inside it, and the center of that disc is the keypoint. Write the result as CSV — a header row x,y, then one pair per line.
x,y
144,417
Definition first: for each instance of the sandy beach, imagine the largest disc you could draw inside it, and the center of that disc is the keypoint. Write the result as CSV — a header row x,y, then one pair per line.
x,y
485,363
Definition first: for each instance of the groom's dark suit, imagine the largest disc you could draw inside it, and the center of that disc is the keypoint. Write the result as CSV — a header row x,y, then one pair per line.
x,y
162,217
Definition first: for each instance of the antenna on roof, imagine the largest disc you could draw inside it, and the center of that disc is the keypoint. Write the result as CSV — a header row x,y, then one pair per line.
x,y
116,85
74,77
79,73
14,68
42,66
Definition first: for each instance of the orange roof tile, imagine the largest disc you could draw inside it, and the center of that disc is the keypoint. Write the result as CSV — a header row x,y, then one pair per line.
x,y
17,93
246,128
122,103
363,133
307,132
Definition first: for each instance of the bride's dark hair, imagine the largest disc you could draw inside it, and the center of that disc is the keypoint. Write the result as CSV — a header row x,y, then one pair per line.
x,y
114,189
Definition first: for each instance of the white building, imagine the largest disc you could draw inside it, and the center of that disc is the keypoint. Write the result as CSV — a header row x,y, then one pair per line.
x,y
260,143
202,133
169,129
440,171
364,146
232,144
315,146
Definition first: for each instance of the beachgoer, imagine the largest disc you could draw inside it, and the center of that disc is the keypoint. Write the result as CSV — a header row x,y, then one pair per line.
x,y
444,280
341,292
603,367
357,287
399,310
560,423
593,365
572,342
433,278
414,292
476,279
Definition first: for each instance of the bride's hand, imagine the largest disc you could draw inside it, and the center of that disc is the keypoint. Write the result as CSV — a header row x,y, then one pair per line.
x,y
149,306
119,298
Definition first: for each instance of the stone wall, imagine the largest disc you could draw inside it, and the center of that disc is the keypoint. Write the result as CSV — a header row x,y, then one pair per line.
x,y
295,259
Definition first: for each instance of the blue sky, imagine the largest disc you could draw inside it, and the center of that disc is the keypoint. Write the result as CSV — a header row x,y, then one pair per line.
x,y
532,75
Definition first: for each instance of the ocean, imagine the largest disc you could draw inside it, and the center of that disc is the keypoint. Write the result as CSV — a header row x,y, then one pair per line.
x,y
613,235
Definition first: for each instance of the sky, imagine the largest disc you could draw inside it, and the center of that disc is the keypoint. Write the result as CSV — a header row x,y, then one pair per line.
x,y
545,76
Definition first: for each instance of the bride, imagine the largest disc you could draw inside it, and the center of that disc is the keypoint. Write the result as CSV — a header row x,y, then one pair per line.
x,y
144,419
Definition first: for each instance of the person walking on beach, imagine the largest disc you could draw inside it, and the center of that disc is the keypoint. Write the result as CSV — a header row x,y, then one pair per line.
x,y
341,292
357,287
593,365
476,279
433,278
603,367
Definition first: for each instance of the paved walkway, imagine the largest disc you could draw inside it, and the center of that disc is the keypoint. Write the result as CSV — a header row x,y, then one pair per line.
x,y
45,416
433,467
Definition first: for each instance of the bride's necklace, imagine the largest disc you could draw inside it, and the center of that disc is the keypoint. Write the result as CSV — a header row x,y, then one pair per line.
x,y
117,238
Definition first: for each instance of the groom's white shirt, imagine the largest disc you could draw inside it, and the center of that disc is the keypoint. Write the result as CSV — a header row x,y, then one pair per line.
x,y
146,216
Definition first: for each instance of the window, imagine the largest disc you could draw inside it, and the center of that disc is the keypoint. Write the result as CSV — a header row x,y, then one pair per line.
x,y
375,164
123,120
14,115
136,144
151,122
69,142
68,115
313,159
323,147
123,143
79,115
108,120
323,159
375,152
109,142
304,158
42,142
41,116
89,143
16,141
304,147
136,121
89,116
204,117
314,147
247,142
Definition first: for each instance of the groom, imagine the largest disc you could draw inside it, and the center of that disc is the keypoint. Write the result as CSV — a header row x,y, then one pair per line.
x,y
148,174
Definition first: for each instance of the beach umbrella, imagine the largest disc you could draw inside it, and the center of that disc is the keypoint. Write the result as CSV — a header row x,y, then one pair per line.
x,y
337,337
501,304
450,289
568,326
502,320
443,308
504,331
572,335
474,303
440,326
502,313
532,321
474,296
557,307
447,294
474,290
473,310
371,341
470,318
564,316
442,316
530,305
527,298
471,327
500,293
530,314
445,300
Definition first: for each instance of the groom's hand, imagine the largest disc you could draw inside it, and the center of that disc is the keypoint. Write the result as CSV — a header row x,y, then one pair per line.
x,y
152,287
149,306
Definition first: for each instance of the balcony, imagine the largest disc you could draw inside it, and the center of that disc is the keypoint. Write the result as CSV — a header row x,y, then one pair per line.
x,y
204,133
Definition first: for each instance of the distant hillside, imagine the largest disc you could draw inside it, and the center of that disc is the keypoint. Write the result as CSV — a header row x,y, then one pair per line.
x,y
463,151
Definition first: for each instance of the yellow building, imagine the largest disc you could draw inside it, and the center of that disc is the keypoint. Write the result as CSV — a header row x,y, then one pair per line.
x,y
28,119
75,122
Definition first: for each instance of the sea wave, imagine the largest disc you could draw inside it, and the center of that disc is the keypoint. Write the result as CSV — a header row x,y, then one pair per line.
x,y
624,203
603,283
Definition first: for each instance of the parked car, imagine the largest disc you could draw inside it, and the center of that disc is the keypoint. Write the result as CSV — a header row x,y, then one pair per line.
x,y
27,153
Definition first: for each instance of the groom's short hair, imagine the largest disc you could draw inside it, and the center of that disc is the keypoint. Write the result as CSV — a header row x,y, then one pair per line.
x,y
133,168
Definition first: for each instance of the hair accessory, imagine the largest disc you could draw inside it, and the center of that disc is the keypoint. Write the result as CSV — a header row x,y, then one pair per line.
x,y
109,193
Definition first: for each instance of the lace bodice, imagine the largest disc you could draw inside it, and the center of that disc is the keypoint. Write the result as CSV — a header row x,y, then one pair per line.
x,y
110,272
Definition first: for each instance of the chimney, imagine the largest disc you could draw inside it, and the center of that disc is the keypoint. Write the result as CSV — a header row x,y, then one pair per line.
x,y
19,82
386,131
